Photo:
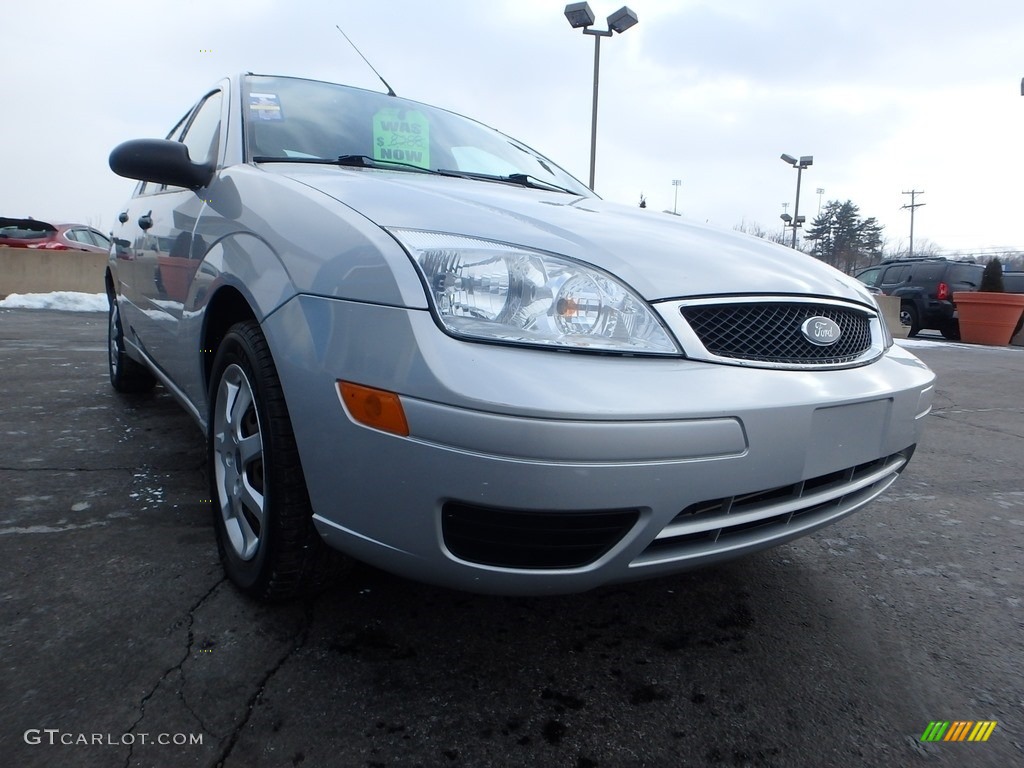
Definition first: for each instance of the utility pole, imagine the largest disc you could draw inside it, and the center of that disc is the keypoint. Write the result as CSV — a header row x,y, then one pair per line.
x,y
913,196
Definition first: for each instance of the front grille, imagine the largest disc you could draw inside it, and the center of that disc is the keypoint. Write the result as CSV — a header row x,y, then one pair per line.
x,y
753,520
770,332
528,539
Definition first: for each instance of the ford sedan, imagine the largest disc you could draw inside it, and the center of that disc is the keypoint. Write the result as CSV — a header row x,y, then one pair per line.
x,y
413,341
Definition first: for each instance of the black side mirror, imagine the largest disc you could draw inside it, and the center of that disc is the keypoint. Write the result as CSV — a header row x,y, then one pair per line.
x,y
160,161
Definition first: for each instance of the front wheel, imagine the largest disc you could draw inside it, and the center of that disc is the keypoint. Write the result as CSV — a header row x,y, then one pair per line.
x,y
262,514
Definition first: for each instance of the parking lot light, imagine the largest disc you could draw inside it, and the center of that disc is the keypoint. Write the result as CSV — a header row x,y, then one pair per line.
x,y
805,161
580,15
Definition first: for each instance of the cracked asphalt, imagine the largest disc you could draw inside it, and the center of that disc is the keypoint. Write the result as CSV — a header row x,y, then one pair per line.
x,y
117,628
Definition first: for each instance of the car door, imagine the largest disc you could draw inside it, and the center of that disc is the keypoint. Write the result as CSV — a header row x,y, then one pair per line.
x,y
158,228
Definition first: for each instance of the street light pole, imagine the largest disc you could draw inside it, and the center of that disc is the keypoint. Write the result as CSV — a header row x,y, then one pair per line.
x,y
598,34
675,202
805,161
579,15
796,206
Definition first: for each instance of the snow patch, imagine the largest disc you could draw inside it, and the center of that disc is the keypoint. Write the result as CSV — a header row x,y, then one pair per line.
x,y
68,301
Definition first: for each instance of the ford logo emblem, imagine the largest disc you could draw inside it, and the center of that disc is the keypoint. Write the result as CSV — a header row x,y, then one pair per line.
x,y
821,331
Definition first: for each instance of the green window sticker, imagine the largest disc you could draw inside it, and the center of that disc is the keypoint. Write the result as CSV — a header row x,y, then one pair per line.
x,y
401,135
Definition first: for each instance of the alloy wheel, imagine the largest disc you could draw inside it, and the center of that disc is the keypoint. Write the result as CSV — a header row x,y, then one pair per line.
x,y
238,463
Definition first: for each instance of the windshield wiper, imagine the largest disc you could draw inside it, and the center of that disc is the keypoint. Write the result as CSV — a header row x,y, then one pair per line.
x,y
349,161
365,161
522,179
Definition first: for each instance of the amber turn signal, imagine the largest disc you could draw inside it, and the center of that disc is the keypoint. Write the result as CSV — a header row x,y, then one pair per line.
x,y
375,408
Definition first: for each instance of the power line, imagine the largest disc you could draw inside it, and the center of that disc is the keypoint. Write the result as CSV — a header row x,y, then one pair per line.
x,y
985,253
983,249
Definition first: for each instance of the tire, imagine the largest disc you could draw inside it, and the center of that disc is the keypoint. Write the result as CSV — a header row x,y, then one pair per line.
x,y
262,514
126,375
951,330
910,317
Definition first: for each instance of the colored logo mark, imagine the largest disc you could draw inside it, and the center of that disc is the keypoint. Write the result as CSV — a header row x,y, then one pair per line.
x,y
958,730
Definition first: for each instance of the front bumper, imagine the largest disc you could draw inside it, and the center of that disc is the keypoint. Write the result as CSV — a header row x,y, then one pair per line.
x,y
531,471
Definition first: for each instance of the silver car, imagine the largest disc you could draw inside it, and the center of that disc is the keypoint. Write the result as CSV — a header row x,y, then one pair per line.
x,y
418,341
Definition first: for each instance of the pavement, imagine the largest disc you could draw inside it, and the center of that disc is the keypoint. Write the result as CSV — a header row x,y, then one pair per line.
x,y
121,644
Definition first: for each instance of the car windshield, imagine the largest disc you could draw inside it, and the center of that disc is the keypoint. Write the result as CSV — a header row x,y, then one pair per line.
x,y
306,120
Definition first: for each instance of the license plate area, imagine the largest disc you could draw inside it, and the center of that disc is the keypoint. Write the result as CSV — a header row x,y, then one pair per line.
x,y
846,435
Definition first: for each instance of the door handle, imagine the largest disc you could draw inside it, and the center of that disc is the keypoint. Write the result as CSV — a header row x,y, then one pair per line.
x,y
122,216
146,220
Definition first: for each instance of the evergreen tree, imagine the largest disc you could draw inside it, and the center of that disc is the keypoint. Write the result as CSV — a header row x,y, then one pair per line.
x,y
842,238
992,277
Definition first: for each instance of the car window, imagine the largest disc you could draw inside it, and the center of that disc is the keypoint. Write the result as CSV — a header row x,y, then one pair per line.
x,y
175,133
895,274
204,129
199,130
965,273
148,187
924,272
23,232
305,119
101,240
868,276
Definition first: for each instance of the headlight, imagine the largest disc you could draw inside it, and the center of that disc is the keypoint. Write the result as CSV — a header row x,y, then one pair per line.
x,y
499,292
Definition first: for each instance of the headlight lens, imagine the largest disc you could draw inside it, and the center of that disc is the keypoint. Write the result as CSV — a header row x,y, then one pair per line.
x,y
500,292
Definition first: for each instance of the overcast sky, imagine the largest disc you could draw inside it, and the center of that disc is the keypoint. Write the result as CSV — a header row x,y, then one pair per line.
x,y
887,95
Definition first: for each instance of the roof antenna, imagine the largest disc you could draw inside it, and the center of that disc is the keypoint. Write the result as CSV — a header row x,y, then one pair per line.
x,y
391,91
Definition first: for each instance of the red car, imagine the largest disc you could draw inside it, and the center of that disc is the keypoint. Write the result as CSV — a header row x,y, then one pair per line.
x,y
31,233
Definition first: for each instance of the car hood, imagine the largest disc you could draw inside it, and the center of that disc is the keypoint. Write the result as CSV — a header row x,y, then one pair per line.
x,y
659,255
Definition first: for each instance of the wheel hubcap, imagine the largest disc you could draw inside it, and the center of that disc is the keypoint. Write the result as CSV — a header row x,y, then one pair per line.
x,y
238,463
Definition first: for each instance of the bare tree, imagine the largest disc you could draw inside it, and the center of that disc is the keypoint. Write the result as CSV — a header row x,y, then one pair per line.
x,y
923,249
755,229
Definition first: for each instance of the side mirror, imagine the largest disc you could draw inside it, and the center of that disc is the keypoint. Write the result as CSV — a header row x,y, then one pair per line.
x,y
160,161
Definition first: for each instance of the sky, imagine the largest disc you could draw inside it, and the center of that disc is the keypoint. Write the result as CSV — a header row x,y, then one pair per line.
x,y
888,96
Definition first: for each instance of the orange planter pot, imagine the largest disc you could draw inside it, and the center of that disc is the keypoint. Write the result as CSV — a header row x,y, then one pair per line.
x,y
988,318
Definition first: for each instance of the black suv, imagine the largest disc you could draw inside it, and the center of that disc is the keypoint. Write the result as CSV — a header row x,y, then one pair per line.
x,y
925,288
